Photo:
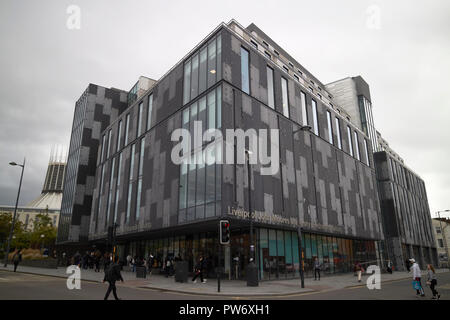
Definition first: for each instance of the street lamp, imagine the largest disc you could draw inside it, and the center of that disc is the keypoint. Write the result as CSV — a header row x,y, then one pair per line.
x,y
443,235
42,242
299,228
15,212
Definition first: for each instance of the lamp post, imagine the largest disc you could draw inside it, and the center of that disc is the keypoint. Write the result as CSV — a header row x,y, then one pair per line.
x,y
299,228
42,242
8,247
443,235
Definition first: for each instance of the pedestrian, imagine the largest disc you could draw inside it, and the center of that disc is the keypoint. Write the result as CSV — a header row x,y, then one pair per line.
x,y
77,259
17,258
150,261
129,258
167,264
359,270
432,281
389,266
112,274
199,268
417,275
133,264
317,267
408,265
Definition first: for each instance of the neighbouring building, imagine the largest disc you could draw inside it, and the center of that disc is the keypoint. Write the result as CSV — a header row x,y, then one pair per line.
x,y
441,228
403,200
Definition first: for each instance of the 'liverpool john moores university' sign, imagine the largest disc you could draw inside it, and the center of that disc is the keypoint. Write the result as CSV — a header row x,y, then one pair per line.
x,y
263,217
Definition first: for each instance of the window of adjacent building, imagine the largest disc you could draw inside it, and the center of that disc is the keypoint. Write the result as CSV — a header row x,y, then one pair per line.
x,y
286,69
296,77
358,155
268,55
438,230
140,174
254,44
119,135
330,128
350,141
245,79
304,111
284,97
149,111
270,90
366,150
338,131
127,126
441,243
139,119
130,183
203,69
110,197
116,202
315,120
276,52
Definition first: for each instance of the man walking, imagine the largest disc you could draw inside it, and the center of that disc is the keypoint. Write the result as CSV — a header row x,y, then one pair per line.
x,y
112,274
317,267
417,274
17,258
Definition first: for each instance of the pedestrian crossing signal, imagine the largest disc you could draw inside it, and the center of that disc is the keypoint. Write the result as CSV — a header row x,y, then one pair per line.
x,y
224,230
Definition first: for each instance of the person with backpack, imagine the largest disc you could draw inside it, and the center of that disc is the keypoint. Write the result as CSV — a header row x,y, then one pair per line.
x,y
432,282
17,258
199,269
317,267
417,275
112,274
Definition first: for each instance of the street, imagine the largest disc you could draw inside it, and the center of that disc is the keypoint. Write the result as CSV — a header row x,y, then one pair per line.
x,y
15,286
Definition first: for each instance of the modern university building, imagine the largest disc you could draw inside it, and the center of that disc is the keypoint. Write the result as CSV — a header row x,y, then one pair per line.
x,y
237,78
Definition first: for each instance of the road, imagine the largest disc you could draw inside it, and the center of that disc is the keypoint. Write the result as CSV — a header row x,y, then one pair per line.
x,y
14,286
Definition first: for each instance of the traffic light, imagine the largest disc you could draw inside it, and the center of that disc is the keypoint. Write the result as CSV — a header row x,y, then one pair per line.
x,y
224,230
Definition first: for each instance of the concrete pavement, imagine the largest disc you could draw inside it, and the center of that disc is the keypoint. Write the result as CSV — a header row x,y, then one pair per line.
x,y
228,288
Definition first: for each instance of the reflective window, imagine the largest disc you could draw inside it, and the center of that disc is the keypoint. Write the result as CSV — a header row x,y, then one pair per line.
x,y
140,174
109,144
330,128
245,79
130,183
149,111
366,152
139,119
127,126
110,197
338,132
270,91
100,194
102,154
304,111
187,82
358,155
350,141
119,135
315,122
212,70
284,97
116,202
194,76
203,70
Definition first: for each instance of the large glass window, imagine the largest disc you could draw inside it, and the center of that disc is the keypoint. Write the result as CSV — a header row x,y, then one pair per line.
x,y
119,135
139,119
149,111
116,202
110,197
330,127
108,152
338,132
127,127
358,155
100,194
102,154
350,141
245,79
304,111
140,173
130,183
270,90
284,97
315,121
203,69
366,152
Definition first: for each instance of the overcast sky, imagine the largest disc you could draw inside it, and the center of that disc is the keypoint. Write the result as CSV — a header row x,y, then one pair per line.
x,y
401,49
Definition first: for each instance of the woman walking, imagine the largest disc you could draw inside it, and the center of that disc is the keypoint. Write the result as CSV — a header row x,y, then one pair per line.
x,y
432,282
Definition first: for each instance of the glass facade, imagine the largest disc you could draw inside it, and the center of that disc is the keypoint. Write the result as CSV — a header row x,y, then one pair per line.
x,y
350,141
149,111
304,111
130,183
338,132
119,135
284,97
203,69
140,173
315,120
139,119
270,90
358,154
127,127
110,197
116,202
245,69
200,182
330,128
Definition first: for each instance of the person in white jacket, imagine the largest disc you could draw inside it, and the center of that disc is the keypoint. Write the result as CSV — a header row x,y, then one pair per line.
x,y
417,274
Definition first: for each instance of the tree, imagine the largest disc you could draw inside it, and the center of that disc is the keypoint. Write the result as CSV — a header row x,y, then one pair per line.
x,y
44,233
20,236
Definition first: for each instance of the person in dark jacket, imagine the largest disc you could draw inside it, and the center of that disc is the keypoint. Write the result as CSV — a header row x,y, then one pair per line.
x,y
112,274
17,258
408,265
317,268
150,261
199,269
77,259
